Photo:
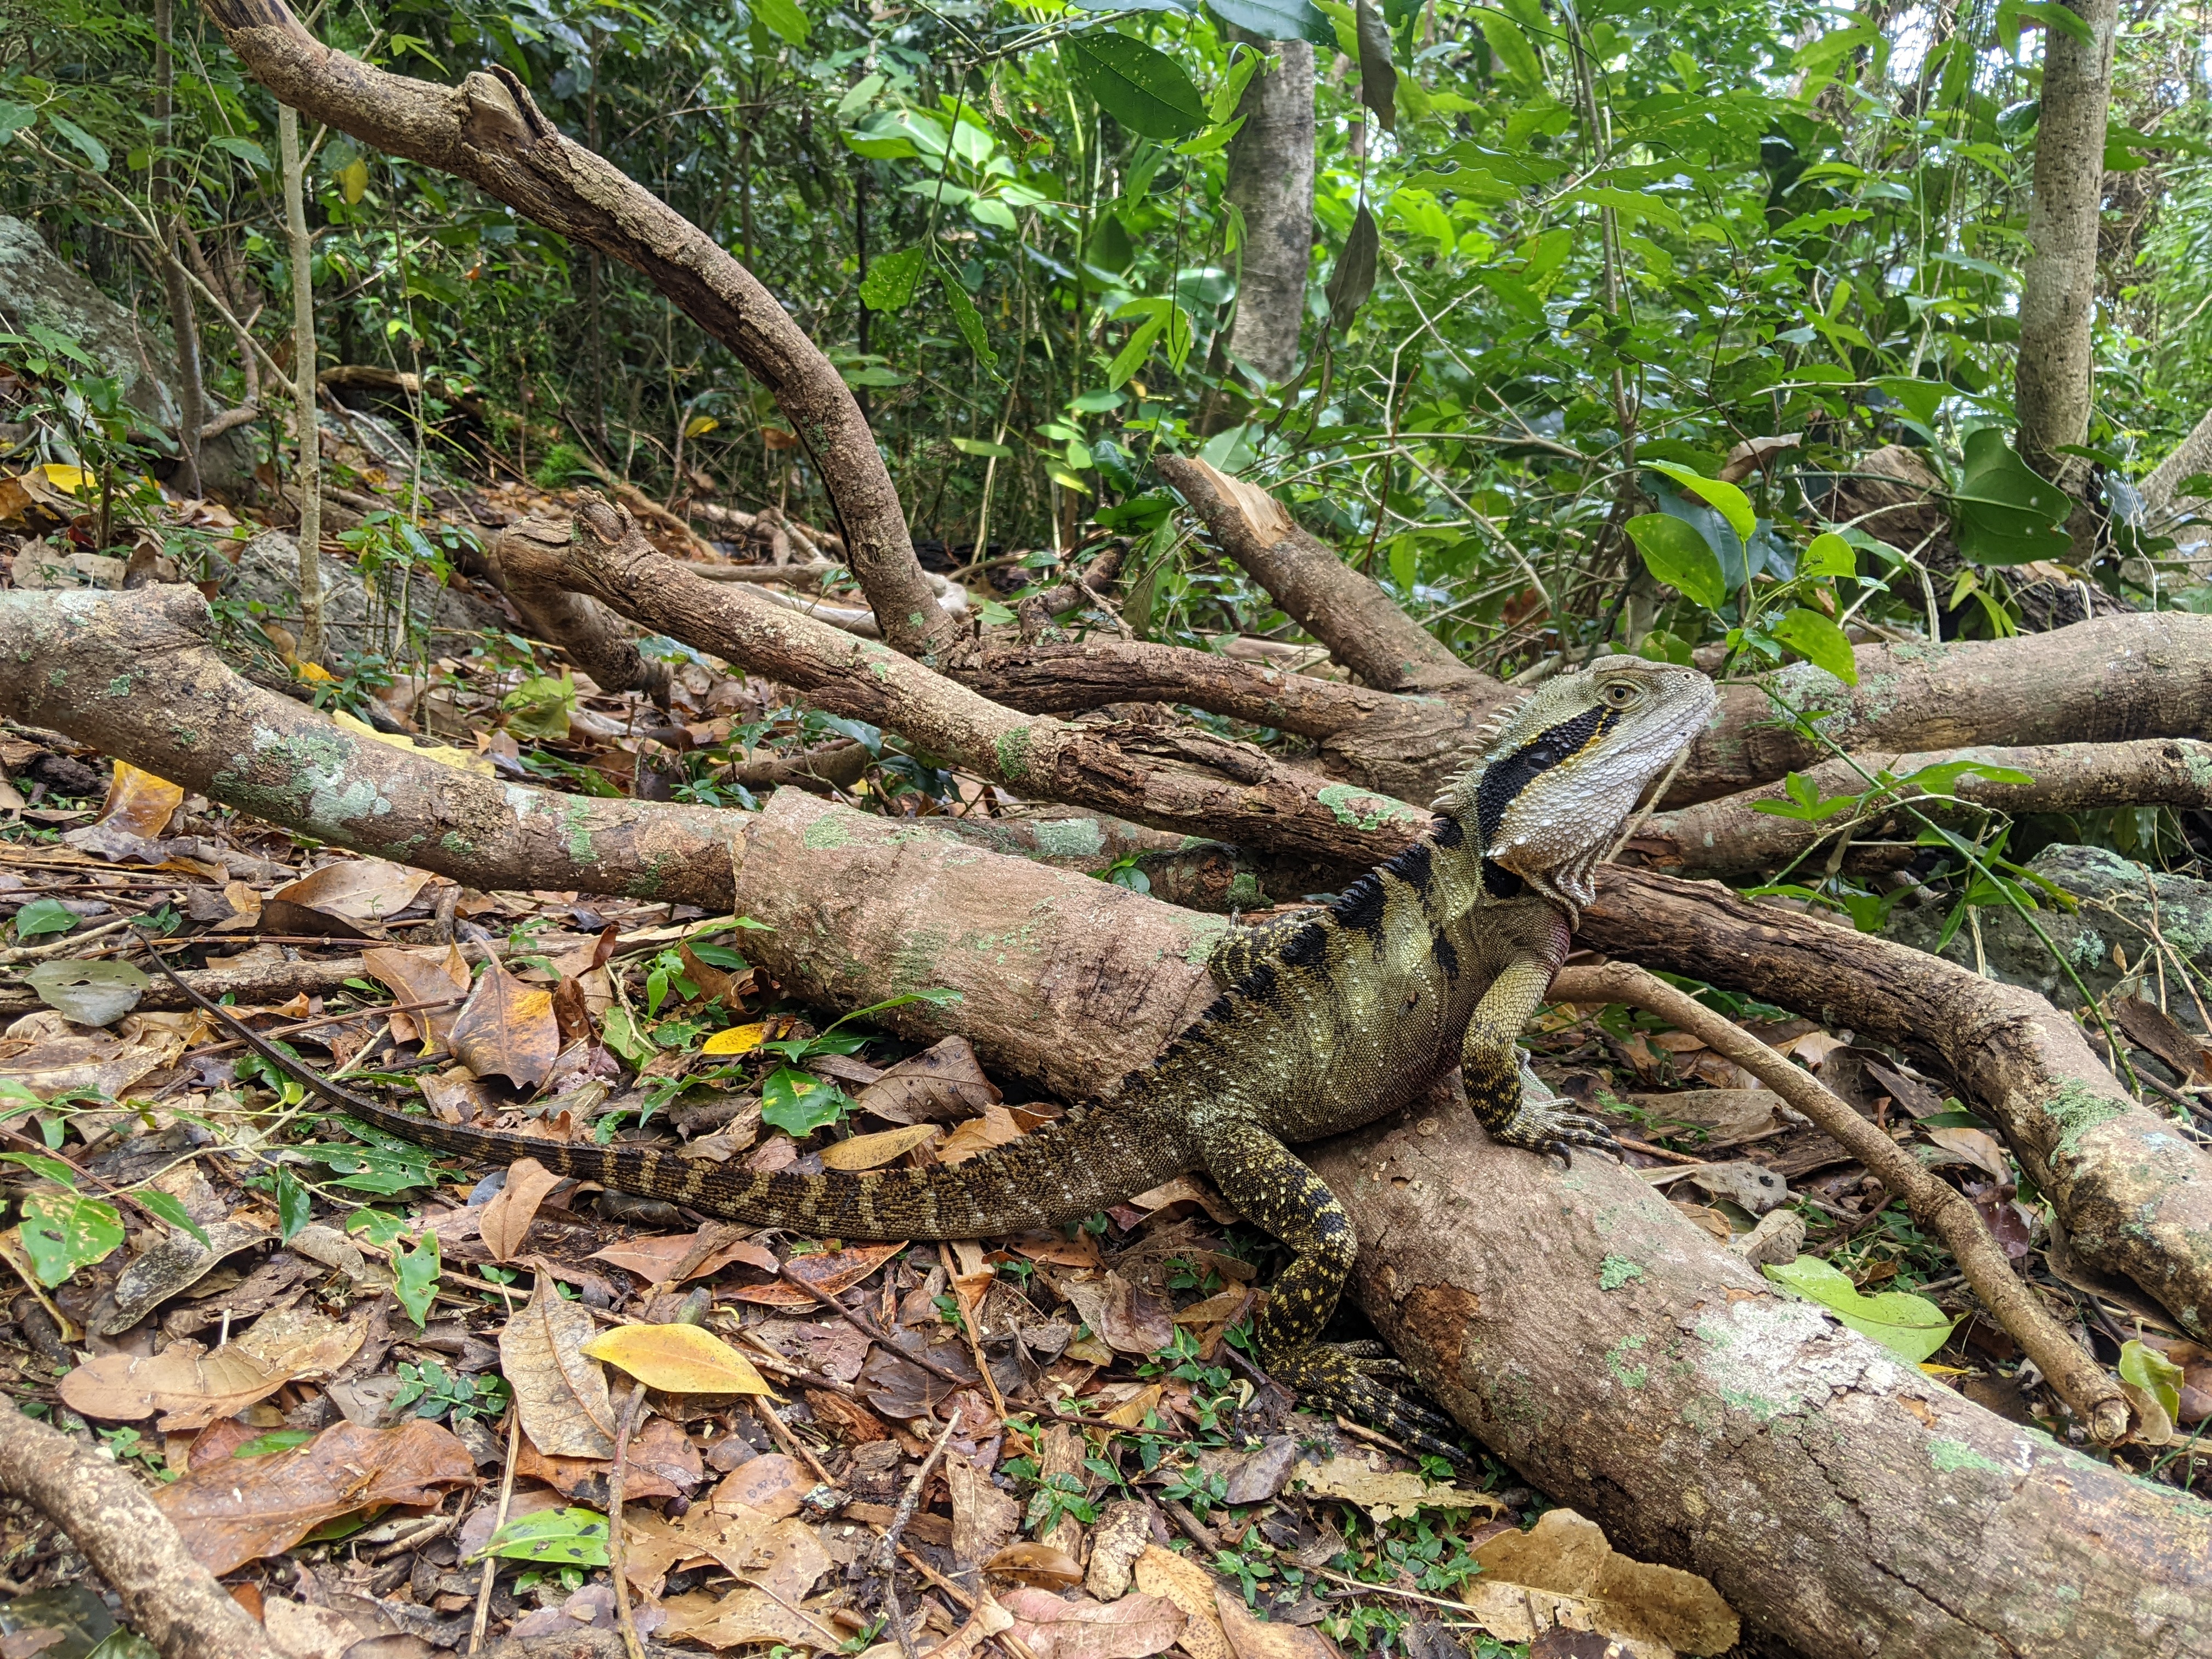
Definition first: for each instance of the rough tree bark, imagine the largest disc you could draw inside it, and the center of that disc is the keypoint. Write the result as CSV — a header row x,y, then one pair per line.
x,y
1271,182
1611,1352
162,199
307,481
2058,285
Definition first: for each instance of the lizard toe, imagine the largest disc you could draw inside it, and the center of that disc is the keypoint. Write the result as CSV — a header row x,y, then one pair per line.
x,y
1328,1377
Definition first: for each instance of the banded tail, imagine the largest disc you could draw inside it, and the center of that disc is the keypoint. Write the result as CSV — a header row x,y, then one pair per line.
x,y
1068,1169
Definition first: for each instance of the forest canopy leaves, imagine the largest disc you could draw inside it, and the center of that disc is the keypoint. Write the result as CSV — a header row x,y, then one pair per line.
x,y
1146,90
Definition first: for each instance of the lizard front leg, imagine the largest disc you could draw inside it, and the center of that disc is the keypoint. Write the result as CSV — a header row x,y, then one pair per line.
x,y
1264,1179
1490,1062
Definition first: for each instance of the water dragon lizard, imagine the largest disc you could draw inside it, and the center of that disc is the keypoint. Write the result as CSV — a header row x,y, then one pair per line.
x,y
1326,1020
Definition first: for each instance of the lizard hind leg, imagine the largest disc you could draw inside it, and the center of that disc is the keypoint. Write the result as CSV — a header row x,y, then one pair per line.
x,y
1262,1178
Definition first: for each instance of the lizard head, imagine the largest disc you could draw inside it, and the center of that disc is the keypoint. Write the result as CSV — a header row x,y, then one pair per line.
x,y
1567,765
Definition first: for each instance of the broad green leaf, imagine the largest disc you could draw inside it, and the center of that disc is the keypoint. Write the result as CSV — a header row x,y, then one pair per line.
x,y
1131,357
858,96
42,916
93,151
58,1171
1403,568
1146,91
353,180
1919,399
1830,554
275,1440
62,1232
1630,204
2153,1372
89,992
416,1274
248,152
540,707
1353,279
1678,555
170,1209
890,280
294,1205
1911,1327
1725,499
1277,20
15,119
798,1103
968,320
982,446
784,18
570,1537
1378,75
2007,512
1820,641
1511,50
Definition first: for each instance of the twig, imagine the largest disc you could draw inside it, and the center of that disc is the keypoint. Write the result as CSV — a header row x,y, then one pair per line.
x,y
790,1442
2082,1383
498,1520
617,1480
974,1338
869,1329
885,1553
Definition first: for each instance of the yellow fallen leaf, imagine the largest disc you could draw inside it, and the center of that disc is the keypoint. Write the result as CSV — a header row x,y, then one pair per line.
x,y
737,1040
677,1359
73,479
140,802
873,1151
459,759
314,671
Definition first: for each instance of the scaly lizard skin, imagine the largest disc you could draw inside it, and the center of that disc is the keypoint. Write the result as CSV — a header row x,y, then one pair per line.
x,y
1327,1021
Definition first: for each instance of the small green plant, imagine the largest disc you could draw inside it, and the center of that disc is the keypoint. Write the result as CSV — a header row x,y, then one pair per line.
x,y
564,465
435,1393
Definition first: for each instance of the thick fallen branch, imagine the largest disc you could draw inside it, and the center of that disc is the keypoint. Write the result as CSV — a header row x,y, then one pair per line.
x,y
595,640
1731,838
134,676
1619,1358
489,131
1170,777
1937,1205
2134,1194
168,1598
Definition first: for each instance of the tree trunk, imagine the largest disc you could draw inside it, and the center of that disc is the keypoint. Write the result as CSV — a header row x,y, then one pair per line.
x,y
1611,1352
161,190
1271,182
308,481
2058,286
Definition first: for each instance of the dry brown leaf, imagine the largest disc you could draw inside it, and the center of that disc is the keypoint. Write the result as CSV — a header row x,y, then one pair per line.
x,y
662,1261
833,1271
873,1151
1124,1532
226,1523
1190,1587
1385,1494
1125,1317
562,1396
1028,1564
1566,1554
509,1212
197,1387
299,1632
50,1063
1134,1627
942,1083
420,976
506,1028
355,890
140,802
783,1556
747,1618
1253,1637
773,1483
1979,1147
310,1346
995,1127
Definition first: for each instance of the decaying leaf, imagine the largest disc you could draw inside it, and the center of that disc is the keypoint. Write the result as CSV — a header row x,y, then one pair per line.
x,y
562,1395
785,1556
676,1257
942,1083
1385,1494
354,891
873,1151
416,976
171,1267
1033,1564
509,1212
748,1616
1253,1637
1563,1571
1134,1627
227,1522
140,802
507,1028
677,1359
995,1127
834,1272
983,1518
1179,1579
88,993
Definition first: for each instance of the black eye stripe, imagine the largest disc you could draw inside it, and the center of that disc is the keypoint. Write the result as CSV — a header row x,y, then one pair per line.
x,y
1503,781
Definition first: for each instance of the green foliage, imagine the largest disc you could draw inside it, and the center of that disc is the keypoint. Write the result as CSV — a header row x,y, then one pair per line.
x,y
62,1232
573,1536
1911,1327
416,1272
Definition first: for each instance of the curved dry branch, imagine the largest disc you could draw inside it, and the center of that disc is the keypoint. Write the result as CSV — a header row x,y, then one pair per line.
x,y
489,131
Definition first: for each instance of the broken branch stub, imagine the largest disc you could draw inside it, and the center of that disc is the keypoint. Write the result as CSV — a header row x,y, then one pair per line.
x,y
2134,1195
1609,1350
489,131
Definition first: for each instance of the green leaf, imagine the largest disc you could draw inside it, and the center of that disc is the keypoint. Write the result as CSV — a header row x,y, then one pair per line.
x,y
294,1205
1725,499
88,993
93,150
1911,1327
15,119
172,1209
784,18
1919,399
1509,49
62,1232
42,916
798,1103
968,320
275,1440
1353,279
1678,555
1830,554
570,1537
1146,91
982,446
417,1272
1404,553
890,280
1277,20
251,153
540,707
58,1171
1378,75
1820,641
1131,357
2007,512
2153,1373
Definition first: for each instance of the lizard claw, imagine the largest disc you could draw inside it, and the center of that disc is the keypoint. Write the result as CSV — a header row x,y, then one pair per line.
x,y
1326,1376
1541,1128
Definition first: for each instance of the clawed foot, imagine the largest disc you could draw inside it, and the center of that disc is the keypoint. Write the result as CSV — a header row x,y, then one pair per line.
x,y
1545,1128
1342,1378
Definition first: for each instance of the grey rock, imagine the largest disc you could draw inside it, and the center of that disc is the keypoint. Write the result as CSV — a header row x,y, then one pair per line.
x,y
268,573
2113,905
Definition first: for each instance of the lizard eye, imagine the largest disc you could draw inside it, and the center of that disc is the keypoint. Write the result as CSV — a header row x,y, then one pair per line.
x,y
1621,694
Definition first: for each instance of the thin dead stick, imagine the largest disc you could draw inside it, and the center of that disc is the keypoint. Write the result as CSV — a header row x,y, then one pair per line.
x,y
790,1442
617,1480
967,1604
974,1337
2082,1383
498,1520
885,1558
869,1329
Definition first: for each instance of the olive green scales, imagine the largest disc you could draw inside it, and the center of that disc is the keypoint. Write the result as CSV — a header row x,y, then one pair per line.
x,y
1327,1021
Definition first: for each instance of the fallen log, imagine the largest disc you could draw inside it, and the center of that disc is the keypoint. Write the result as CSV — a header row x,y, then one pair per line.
x,y
1611,1352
